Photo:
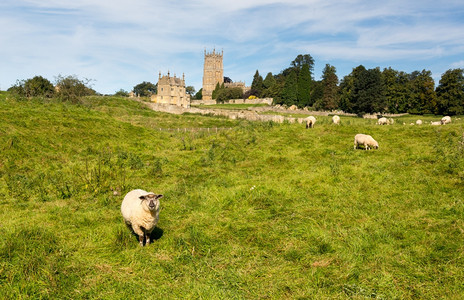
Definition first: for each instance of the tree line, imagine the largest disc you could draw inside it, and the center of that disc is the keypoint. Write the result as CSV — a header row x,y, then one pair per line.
x,y
66,88
363,90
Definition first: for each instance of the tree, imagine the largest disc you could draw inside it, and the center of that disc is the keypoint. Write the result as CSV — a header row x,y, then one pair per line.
x,y
199,95
72,89
347,89
275,91
317,91
122,93
145,89
250,92
423,99
190,90
369,92
302,60
450,92
217,89
362,91
329,100
396,90
290,91
257,83
34,87
226,94
268,81
39,86
304,86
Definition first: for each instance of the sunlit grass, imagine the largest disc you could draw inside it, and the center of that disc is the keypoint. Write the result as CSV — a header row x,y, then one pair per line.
x,y
259,211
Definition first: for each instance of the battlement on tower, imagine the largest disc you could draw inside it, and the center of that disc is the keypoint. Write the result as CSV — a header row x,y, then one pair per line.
x,y
214,54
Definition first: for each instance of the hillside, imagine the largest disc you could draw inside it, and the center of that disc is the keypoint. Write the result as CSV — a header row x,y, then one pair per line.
x,y
260,210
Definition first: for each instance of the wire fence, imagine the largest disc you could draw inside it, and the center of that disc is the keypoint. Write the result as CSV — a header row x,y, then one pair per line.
x,y
212,129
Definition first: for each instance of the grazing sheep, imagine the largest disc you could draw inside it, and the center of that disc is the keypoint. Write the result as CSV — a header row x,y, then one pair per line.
x,y
419,122
140,210
310,122
391,121
382,121
435,123
366,140
445,120
336,120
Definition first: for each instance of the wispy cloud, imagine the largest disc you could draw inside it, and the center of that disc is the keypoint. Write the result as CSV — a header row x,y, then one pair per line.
x,y
121,43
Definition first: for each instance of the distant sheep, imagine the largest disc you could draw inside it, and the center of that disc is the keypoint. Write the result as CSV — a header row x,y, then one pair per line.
x,y
436,123
140,210
336,119
382,121
366,140
446,120
419,122
310,121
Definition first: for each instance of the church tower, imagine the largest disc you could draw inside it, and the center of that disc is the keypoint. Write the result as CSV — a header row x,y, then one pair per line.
x,y
213,73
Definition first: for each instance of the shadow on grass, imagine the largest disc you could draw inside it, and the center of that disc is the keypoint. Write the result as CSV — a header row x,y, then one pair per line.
x,y
155,235
124,240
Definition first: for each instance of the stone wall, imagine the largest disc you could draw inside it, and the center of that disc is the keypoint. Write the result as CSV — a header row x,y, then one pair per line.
x,y
250,114
267,101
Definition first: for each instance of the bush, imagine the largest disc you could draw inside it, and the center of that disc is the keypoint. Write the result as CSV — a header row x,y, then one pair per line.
x,y
229,93
34,87
71,89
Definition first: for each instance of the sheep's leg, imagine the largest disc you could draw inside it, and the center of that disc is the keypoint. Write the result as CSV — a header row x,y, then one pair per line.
x,y
147,236
140,232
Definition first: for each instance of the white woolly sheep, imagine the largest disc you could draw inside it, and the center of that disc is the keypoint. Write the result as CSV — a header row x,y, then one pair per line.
x,y
446,120
436,123
366,140
310,121
140,210
382,121
419,122
336,119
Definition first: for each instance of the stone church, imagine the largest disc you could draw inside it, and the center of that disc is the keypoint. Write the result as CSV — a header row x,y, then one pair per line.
x,y
213,73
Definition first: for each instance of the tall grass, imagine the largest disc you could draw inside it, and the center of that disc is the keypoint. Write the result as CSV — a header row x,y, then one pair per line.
x,y
261,211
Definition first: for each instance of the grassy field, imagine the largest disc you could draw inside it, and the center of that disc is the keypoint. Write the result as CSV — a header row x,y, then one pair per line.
x,y
259,211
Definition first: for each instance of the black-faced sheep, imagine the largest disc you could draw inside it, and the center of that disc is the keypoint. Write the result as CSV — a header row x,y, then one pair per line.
x,y
140,210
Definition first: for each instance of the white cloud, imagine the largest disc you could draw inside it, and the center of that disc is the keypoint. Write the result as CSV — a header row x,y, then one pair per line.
x,y
458,64
125,41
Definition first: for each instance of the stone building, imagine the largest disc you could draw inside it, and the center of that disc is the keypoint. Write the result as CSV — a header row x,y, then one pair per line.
x,y
171,90
238,84
213,73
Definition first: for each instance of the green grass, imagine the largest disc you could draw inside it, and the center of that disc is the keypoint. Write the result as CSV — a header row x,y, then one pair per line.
x,y
260,211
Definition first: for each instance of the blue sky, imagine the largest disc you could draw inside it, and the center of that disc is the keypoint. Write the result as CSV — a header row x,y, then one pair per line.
x,y
120,43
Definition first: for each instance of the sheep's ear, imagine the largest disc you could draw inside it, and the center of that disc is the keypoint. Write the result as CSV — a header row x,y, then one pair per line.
x,y
142,197
158,197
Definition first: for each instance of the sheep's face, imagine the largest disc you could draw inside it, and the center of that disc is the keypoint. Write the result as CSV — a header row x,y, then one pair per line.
x,y
151,201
